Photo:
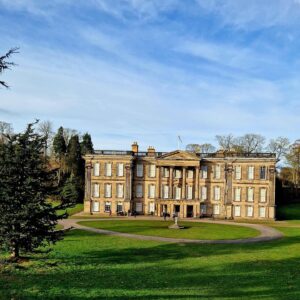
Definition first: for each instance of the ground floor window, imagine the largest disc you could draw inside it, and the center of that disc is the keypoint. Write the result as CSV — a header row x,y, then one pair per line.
x,y
151,207
216,209
107,207
250,211
119,207
139,207
237,211
262,212
203,209
95,206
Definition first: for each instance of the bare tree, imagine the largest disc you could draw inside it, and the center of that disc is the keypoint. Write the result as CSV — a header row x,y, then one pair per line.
x,y
5,64
226,142
6,129
280,146
251,142
194,148
68,133
207,148
45,128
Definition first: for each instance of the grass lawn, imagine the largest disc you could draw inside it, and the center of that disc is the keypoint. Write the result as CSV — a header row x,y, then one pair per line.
x,y
71,211
91,266
288,212
192,230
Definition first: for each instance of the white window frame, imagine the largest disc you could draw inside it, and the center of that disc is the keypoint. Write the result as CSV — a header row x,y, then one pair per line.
x,y
151,191
217,172
96,169
237,194
217,195
139,170
251,171
177,192
166,191
190,174
263,195
96,206
204,172
216,209
260,168
108,169
106,205
238,172
120,169
139,207
204,192
166,172
260,210
96,190
189,192
151,207
250,209
178,173
139,190
120,190
120,204
107,190
237,210
152,171
250,195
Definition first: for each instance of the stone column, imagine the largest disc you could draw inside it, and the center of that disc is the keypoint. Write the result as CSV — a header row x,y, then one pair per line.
x,y
171,183
128,184
196,184
272,177
88,185
183,196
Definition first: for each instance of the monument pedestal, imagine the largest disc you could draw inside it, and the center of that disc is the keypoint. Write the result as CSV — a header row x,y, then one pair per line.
x,y
175,225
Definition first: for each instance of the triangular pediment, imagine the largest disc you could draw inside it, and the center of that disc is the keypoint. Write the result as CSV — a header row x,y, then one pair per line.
x,y
179,155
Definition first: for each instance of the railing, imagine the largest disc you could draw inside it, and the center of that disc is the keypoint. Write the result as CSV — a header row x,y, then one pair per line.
x,y
201,155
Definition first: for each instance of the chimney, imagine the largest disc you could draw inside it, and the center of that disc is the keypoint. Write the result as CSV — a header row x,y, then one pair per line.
x,y
135,147
151,151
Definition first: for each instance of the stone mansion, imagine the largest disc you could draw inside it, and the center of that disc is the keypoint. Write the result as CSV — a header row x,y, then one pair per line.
x,y
220,185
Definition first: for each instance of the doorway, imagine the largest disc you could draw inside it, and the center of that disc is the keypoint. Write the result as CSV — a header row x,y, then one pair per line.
x,y
177,210
189,211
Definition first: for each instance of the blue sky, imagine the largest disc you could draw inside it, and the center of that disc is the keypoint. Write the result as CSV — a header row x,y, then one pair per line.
x,y
149,70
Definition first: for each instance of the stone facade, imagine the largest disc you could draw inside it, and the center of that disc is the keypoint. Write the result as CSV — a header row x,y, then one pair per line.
x,y
221,185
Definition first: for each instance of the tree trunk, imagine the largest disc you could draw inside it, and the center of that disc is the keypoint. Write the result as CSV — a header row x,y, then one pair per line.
x,y
15,254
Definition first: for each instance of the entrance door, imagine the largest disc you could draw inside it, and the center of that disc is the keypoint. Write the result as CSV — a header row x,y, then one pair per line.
x,y
164,209
177,210
189,211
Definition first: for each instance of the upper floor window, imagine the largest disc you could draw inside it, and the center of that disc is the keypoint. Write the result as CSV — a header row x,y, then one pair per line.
x,y
96,190
108,169
177,192
237,196
165,192
151,191
217,193
120,169
152,169
189,192
139,170
204,172
250,194
177,173
120,190
238,172
96,169
190,174
262,172
263,195
217,172
139,191
250,172
107,190
166,172
203,192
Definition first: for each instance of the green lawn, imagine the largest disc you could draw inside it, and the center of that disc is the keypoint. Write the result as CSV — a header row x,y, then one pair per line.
x,y
192,230
71,211
91,266
288,212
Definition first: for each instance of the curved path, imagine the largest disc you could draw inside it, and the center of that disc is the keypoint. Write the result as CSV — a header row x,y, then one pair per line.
x,y
266,233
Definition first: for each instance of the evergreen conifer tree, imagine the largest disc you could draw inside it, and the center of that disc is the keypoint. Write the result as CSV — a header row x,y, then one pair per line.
x,y
27,220
74,159
59,147
86,144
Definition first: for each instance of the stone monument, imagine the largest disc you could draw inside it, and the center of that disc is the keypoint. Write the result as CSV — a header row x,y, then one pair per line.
x,y
175,225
